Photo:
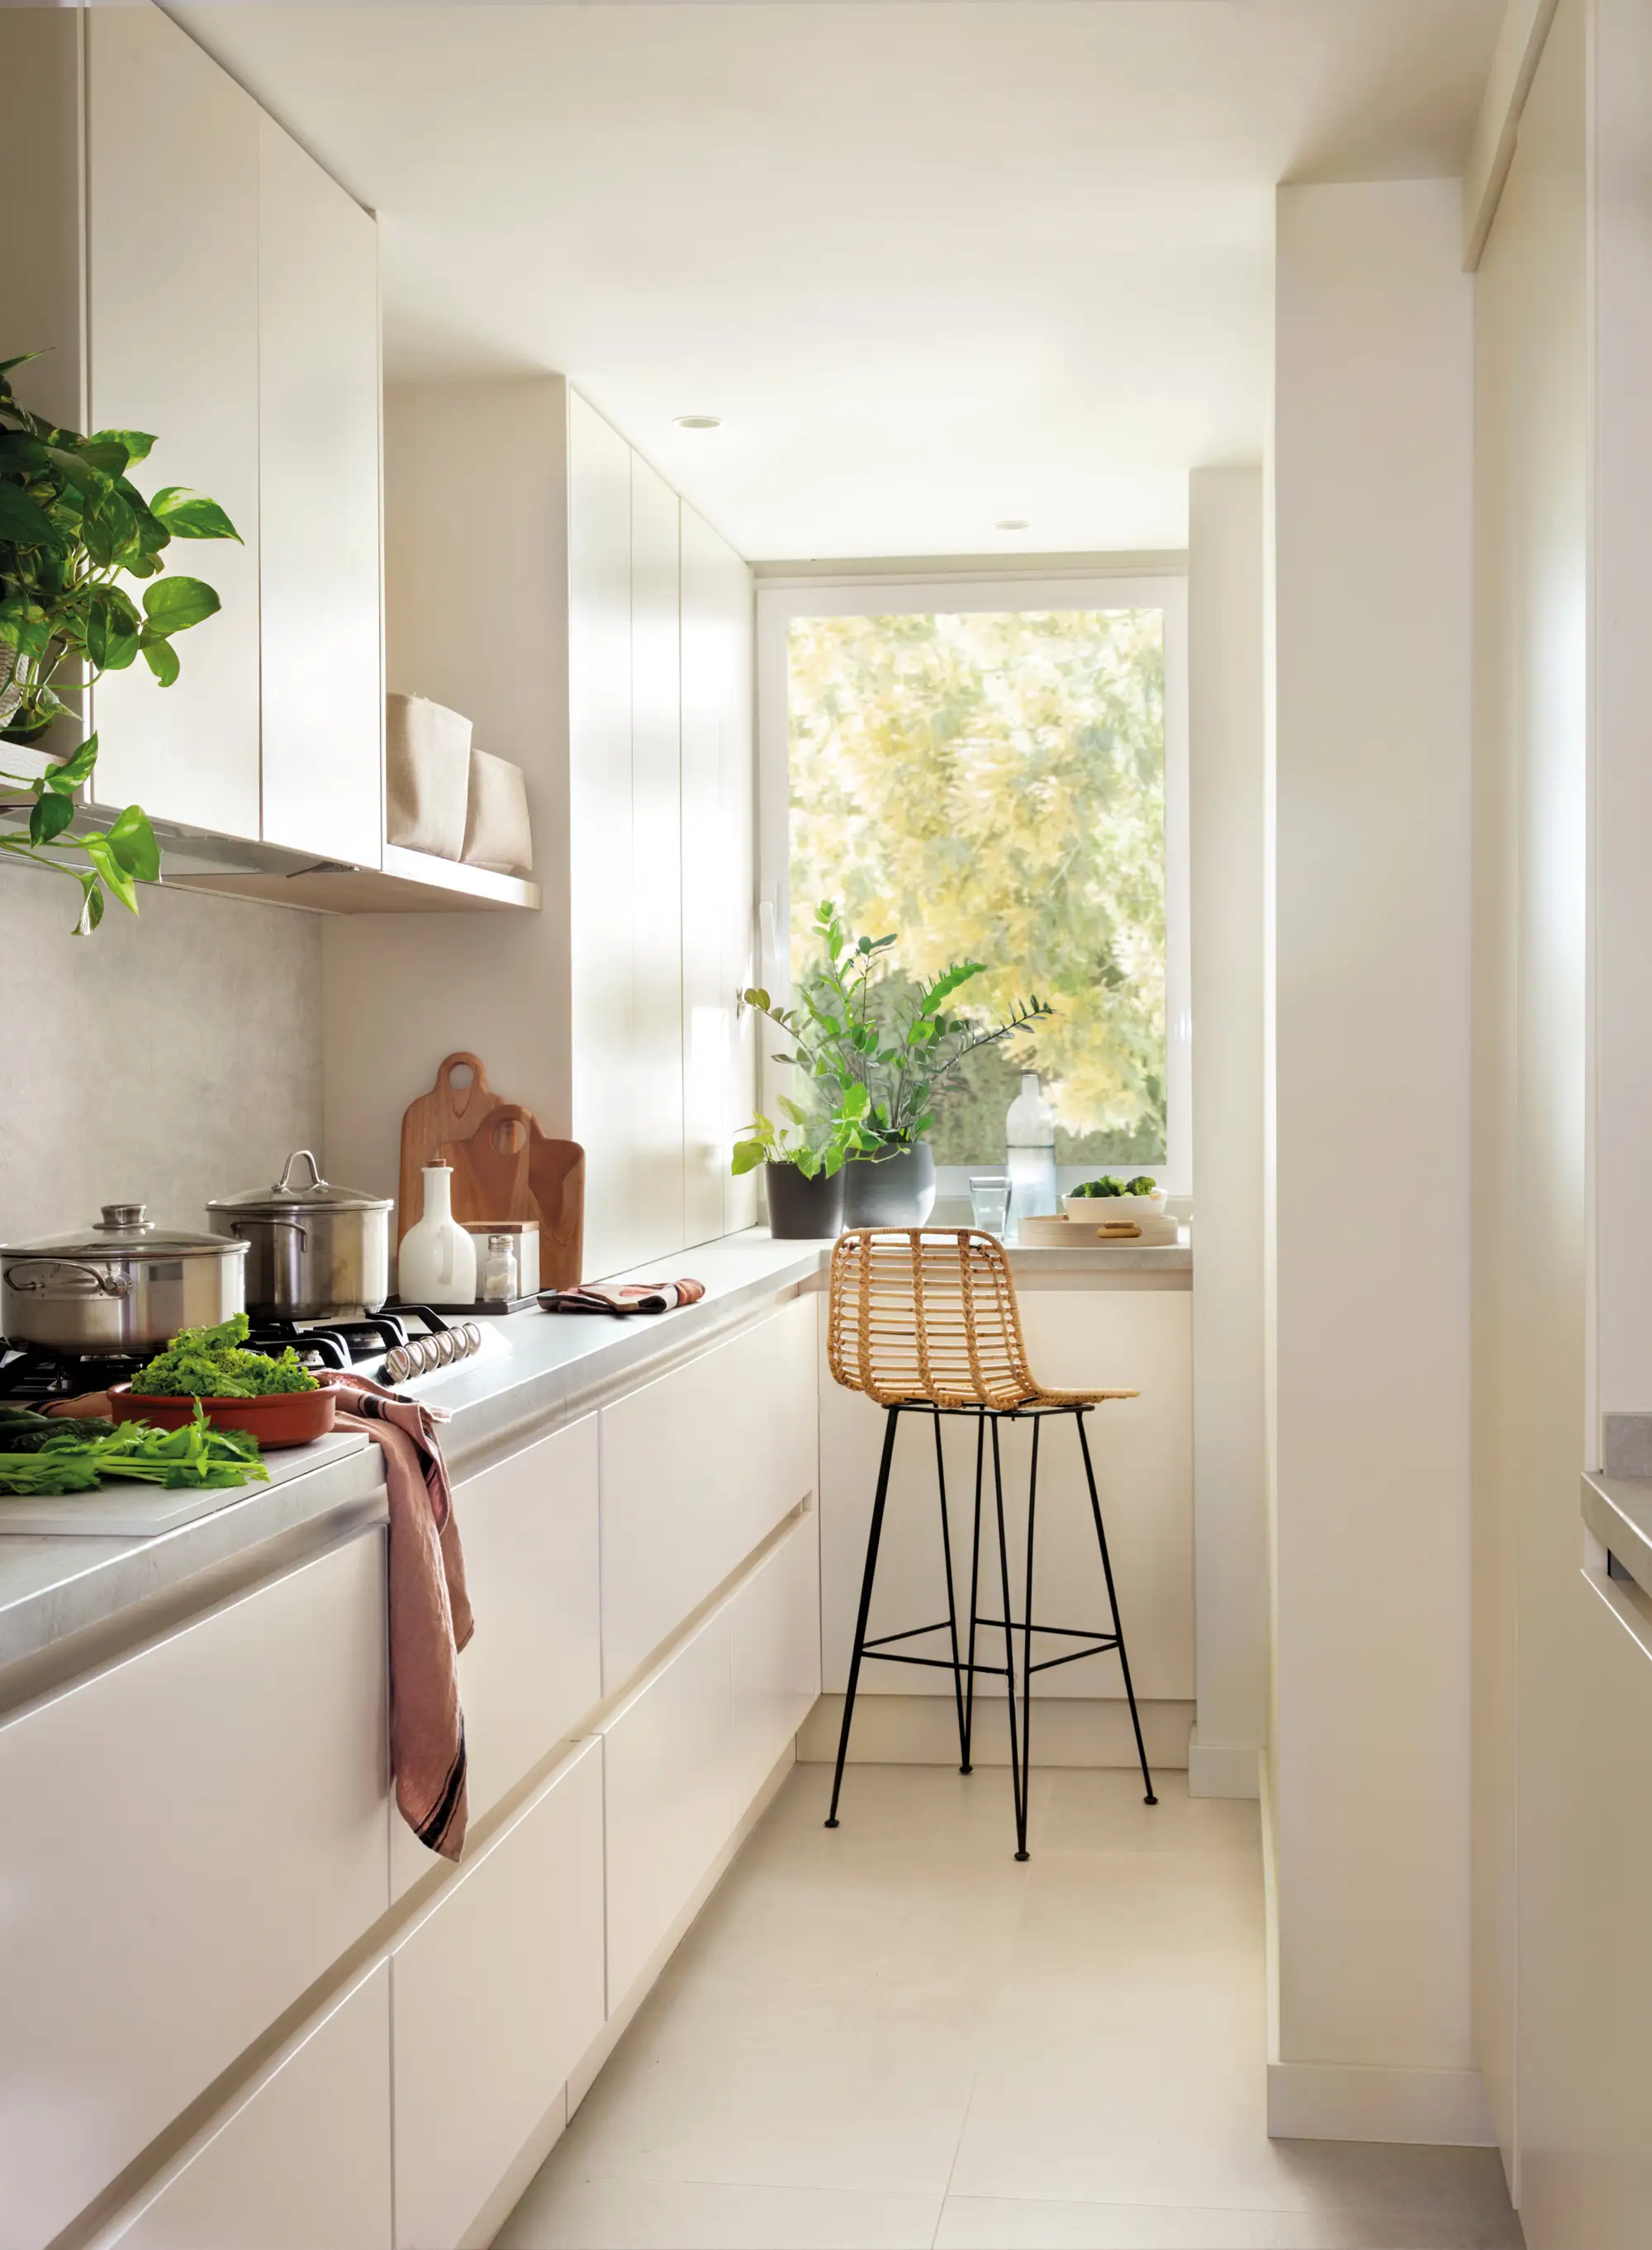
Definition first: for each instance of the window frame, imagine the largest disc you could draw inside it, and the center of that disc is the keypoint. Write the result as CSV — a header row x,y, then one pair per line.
x,y
874,591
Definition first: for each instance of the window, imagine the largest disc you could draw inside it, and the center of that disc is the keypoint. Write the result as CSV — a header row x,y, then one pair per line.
x,y
997,772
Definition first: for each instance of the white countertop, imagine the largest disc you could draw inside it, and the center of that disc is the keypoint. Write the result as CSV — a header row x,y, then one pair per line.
x,y
551,1366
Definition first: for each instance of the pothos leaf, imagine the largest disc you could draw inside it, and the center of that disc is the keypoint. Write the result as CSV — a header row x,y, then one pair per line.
x,y
49,816
102,855
132,840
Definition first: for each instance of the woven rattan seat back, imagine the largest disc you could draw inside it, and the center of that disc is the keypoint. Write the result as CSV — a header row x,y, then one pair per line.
x,y
927,1314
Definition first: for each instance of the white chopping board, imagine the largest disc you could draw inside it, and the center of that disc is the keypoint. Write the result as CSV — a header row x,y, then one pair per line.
x,y
120,1510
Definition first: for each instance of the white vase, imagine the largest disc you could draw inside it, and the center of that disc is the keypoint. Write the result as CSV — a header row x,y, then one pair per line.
x,y
437,1265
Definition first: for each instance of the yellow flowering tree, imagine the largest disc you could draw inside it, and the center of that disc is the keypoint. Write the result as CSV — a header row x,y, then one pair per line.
x,y
991,786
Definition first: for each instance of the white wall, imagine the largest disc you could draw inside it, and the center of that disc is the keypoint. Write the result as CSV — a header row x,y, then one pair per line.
x,y
1371,460
162,1061
1225,714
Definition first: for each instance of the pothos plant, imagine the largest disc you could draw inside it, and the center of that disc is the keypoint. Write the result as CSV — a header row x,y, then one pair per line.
x,y
817,1146
72,524
858,1032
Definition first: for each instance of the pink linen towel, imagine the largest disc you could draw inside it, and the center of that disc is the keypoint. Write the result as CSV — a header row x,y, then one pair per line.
x,y
622,1297
430,1619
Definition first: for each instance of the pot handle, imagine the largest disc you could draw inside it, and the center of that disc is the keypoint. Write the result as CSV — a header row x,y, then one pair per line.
x,y
103,1285
238,1227
283,1185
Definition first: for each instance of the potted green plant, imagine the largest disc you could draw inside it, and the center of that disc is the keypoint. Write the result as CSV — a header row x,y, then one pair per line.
x,y
71,525
803,1165
854,1025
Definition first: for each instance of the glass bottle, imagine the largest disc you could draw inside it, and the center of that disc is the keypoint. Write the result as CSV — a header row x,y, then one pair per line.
x,y
1029,1134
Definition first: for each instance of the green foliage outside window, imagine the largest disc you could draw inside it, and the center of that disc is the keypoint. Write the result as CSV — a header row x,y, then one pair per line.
x,y
992,786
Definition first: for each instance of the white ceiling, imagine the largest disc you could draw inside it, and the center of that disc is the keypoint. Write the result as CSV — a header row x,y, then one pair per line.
x,y
935,262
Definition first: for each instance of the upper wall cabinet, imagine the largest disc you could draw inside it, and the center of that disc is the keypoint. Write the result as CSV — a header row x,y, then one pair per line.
x,y
318,508
172,337
199,277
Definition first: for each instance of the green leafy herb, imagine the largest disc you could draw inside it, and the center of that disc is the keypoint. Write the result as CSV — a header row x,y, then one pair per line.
x,y
209,1364
82,1453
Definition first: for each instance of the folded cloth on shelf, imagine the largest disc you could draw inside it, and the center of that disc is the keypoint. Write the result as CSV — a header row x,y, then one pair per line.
x,y
622,1297
430,1619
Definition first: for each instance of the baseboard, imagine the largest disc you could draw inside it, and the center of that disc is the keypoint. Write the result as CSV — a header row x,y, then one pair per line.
x,y
1222,1769
1344,2101
585,2073
1067,1730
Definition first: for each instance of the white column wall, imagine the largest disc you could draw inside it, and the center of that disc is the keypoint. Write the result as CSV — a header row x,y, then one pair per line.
x,y
1371,512
1225,717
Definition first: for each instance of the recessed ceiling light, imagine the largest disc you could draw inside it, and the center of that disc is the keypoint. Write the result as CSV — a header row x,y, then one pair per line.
x,y
1012,523
699,421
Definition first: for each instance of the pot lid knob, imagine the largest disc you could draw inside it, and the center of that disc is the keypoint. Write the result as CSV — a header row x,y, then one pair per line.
x,y
125,1219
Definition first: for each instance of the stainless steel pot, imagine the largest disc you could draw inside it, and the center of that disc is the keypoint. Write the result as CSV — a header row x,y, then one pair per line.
x,y
124,1286
316,1251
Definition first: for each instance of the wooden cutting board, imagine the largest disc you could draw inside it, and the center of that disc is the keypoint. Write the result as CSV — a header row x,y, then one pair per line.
x,y
447,1113
508,1169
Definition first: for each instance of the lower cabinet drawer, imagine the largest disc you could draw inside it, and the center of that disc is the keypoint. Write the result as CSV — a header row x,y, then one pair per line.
x,y
667,1772
303,2163
191,1837
495,1993
774,1623
534,1667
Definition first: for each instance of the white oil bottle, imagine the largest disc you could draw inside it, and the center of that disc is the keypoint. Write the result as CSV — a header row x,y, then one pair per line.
x,y
437,1264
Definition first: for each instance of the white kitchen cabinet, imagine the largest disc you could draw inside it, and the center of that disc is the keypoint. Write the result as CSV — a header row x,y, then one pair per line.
x,y
192,1837
318,408
667,1771
301,2162
656,1198
718,807
495,1993
774,1623
534,1666
172,286
600,878
697,1467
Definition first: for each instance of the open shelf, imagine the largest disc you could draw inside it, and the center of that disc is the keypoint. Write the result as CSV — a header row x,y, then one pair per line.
x,y
408,882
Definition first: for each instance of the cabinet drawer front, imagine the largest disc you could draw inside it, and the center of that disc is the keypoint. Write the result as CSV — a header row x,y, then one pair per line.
x,y
494,1996
696,1468
665,1775
192,1837
775,1659
303,2163
533,1670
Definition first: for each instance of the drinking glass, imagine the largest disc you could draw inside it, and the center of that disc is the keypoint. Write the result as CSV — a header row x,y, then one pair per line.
x,y
990,1202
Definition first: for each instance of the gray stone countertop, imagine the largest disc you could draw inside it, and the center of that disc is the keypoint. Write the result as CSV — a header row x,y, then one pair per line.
x,y
1618,1510
536,1371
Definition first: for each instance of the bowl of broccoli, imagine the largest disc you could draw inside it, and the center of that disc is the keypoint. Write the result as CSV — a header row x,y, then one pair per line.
x,y
1110,1199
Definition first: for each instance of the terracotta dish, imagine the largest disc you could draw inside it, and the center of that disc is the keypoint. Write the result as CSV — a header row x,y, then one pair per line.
x,y
281,1418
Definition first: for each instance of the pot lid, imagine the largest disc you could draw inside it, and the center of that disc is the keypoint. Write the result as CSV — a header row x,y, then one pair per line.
x,y
315,1194
124,1232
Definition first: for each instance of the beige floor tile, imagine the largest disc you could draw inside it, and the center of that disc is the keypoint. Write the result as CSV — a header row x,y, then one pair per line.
x,y
985,2223
1114,1918
934,1808
563,2212
1101,1809
798,2086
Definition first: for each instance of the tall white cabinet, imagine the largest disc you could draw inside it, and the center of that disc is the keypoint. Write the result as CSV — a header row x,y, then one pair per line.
x,y
610,656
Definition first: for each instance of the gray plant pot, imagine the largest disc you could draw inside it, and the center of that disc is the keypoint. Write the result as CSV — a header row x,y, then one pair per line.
x,y
801,1209
896,1190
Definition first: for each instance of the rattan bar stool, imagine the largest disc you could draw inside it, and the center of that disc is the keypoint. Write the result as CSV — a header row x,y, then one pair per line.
x,y
924,1320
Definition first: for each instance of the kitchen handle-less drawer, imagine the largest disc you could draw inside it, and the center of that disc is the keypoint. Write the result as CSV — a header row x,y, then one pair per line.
x,y
666,1786
774,1623
191,1837
494,1996
697,1468
302,2163
533,1669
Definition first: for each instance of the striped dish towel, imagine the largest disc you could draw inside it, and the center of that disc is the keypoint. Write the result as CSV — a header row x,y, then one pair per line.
x,y
622,1297
430,1619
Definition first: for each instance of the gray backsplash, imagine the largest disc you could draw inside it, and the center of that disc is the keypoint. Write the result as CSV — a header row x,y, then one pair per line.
x,y
160,1061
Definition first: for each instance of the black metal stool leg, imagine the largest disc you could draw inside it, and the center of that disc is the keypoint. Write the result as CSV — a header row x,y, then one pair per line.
x,y
1018,1774
1118,1622
974,1604
951,1599
873,1537
1027,1637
